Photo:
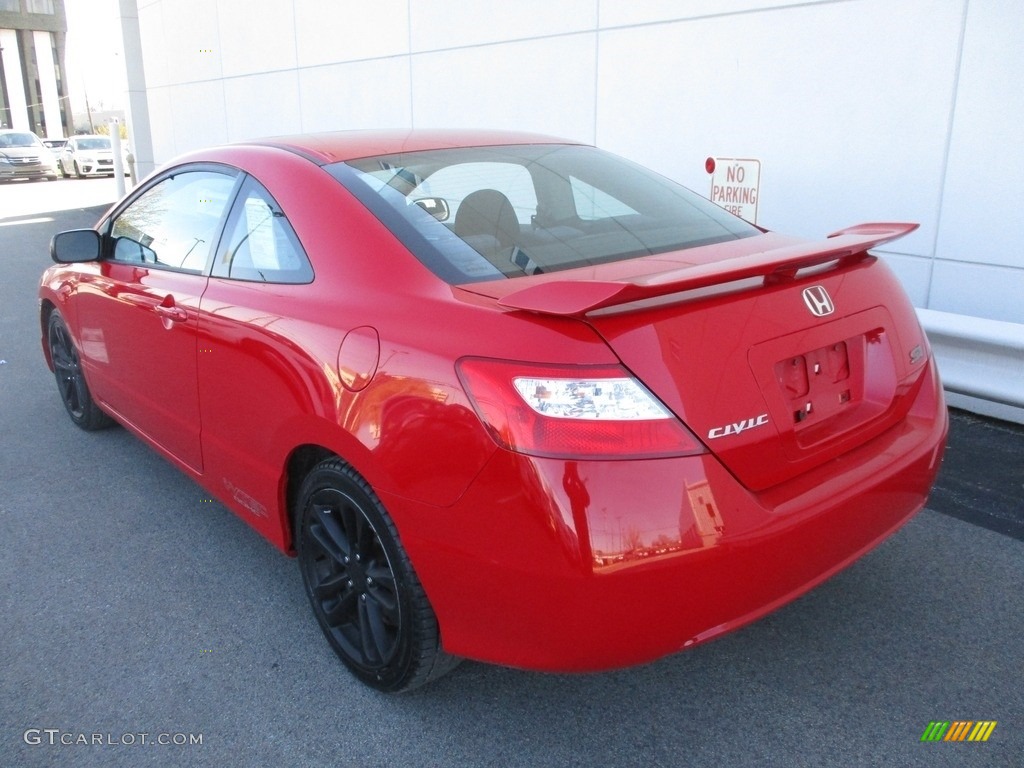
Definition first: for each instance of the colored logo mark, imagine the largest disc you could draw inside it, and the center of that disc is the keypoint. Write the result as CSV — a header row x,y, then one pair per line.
x,y
958,730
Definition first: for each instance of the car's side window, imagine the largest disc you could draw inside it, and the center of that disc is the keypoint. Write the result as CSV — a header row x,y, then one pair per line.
x,y
175,222
260,245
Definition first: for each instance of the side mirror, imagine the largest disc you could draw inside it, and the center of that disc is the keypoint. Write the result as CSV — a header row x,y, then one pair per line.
x,y
126,249
75,245
435,206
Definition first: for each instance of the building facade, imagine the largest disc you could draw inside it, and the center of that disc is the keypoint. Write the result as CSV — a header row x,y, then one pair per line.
x,y
33,89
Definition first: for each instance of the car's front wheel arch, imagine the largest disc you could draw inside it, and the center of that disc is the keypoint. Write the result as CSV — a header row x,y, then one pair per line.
x,y
46,307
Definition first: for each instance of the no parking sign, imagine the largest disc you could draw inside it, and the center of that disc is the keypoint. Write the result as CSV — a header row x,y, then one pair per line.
x,y
735,185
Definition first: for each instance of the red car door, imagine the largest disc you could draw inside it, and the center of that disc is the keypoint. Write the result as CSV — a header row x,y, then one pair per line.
x,y
138,314
255,374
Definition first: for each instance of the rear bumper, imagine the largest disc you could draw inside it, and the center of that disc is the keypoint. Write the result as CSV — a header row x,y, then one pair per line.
x,y
575,566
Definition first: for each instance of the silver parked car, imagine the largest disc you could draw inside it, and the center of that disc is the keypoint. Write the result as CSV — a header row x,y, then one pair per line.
x,y
23,156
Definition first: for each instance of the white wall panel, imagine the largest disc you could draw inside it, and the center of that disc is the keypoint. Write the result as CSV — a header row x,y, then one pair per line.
x,y
914,273
262,105
335,31
197,111
457,23
255,37
982,291
984,196
366,94
545,86
163,126
843,135
192,46
624,12
157,64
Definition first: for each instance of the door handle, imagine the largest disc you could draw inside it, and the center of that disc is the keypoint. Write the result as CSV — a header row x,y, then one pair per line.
x,y
167,309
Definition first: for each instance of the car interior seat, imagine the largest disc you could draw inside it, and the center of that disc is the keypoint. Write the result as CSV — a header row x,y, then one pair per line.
x,y
486,220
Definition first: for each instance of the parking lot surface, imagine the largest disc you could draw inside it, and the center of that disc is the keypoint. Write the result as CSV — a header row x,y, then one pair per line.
x,y
131,606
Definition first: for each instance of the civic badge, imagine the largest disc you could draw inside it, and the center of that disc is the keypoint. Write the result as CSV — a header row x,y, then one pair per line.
x,y
818,301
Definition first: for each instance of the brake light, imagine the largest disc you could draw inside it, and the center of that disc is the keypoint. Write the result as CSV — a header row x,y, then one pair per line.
x,y
572,412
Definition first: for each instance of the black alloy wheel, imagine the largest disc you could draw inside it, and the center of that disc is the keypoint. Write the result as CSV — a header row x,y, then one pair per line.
x,y
71,384
361,585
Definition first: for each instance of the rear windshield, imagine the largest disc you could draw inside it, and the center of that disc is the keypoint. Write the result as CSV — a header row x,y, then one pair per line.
x,y
484,213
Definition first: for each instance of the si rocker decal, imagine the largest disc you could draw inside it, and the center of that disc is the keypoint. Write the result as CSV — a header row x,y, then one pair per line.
x,y
740,426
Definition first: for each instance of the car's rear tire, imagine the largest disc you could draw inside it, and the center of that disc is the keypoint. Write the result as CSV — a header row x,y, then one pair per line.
x,y
364,592
71,384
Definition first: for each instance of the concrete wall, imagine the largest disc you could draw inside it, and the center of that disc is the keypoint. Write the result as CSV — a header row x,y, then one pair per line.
x,y
858,110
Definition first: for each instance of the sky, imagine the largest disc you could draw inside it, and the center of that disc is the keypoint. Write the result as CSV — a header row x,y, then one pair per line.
x,y
94,55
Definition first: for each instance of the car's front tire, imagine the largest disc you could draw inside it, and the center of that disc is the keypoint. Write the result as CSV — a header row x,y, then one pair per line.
x,y
364,592
71,384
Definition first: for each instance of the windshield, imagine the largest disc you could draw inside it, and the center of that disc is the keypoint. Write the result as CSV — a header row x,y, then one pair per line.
x,y
482,213
8,140
93,143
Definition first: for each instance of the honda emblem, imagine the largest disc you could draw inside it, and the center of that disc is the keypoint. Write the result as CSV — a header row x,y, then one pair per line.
x,y
818,301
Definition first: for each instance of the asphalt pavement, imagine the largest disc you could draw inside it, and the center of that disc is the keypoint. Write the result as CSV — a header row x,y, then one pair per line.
x,y
131,606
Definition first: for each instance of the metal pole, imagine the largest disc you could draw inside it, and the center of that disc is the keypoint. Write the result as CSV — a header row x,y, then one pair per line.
x,y
115,145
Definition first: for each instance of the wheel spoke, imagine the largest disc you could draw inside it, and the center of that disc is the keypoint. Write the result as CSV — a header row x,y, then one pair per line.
x,y
372,633
66,386
79,391
61,360
365,536
61,351
384,591
341,612
329,534
331,586
349,519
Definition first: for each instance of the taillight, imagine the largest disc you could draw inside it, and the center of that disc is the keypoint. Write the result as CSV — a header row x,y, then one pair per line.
x,y
572,412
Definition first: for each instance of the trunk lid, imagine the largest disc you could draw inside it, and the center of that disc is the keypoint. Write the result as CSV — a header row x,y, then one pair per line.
x,y
780,356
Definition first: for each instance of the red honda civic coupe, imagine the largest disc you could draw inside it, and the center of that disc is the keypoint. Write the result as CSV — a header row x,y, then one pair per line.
x,y
506,397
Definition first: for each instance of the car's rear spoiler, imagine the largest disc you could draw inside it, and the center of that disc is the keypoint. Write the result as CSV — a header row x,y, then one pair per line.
x,y
578,297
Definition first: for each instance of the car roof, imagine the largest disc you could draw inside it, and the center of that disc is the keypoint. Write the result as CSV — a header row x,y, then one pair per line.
x,y
323,148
